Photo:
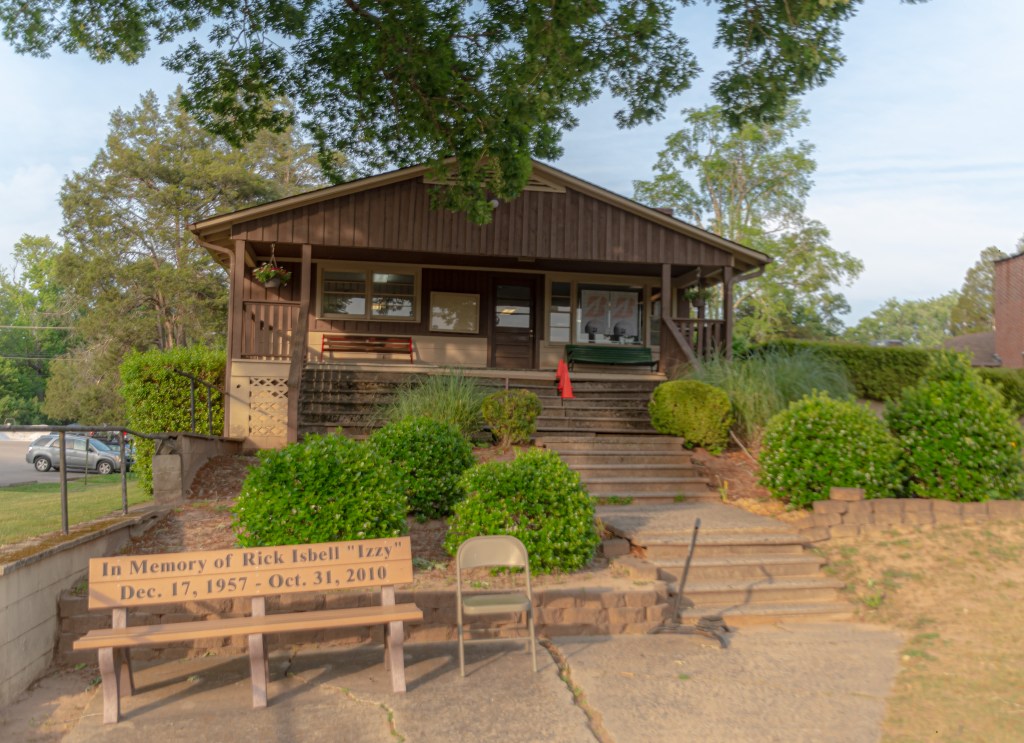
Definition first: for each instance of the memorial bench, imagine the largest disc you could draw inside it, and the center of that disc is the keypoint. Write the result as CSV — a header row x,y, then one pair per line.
x,y
118,584
339,343
599,354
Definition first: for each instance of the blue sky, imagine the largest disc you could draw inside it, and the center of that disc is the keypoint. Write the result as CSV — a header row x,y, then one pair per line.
x,y
918,139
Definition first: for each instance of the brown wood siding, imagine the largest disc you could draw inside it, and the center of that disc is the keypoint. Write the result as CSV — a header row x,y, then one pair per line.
x,y
567,226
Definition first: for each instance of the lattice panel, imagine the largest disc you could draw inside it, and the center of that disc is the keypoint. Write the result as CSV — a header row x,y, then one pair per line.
x,y
268,406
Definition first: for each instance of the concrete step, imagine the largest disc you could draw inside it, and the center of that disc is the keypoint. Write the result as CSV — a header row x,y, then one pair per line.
x,y
754,614
642,497
644,444
744,592
588,459
595,412
672,485
591,471
711,544
738,567
604,401
594,425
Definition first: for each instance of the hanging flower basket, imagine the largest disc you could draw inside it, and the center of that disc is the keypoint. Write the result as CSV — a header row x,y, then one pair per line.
x,y
271,274
697,297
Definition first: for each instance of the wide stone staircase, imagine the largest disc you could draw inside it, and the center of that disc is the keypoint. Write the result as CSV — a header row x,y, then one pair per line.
x,y
748,568
632,468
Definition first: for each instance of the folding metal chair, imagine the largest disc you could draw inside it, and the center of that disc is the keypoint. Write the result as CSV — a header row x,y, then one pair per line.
x,y
493,551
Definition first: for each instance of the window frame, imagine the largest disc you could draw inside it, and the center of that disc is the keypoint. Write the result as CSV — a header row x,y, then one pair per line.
x,y
368,269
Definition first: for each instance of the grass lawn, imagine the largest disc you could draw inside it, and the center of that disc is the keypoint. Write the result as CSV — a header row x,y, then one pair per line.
x,y
32,510
956,593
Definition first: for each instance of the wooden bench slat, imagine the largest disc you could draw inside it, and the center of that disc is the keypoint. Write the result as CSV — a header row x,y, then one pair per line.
x,y
613,355
333,342
142,635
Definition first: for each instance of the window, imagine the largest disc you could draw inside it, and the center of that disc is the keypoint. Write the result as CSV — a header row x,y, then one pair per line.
x,y
610,314
561,306
369,294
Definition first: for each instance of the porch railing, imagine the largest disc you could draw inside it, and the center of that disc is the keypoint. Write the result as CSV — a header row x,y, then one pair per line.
x,y
267,329
706,337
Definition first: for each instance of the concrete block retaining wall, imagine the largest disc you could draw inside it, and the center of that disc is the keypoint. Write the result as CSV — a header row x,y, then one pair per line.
x,y
560,611
29,593
846,514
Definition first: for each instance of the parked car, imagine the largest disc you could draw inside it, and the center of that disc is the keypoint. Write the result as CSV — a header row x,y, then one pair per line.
x,y
80,452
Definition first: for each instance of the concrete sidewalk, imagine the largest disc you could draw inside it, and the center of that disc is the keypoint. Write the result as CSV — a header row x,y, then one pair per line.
x,y
791,682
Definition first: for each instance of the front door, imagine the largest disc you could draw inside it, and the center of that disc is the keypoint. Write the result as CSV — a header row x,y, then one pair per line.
x,y
513,323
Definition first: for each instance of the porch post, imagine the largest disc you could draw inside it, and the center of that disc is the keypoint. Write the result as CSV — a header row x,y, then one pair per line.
x,y
670,335
236,310
727,314
299,344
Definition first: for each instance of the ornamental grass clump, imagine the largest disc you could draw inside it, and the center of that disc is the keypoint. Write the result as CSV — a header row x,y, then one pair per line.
x,y
428,457
450,398
763,383
321,489
818,443
512,415
698,412
536,498
958,439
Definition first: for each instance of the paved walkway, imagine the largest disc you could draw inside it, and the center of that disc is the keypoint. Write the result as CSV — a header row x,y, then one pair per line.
x,y
790,682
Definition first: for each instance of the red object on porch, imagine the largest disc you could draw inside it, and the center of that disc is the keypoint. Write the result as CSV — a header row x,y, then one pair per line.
x,y
564,383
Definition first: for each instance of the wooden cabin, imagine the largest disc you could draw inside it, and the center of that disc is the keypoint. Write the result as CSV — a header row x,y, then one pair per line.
x,y
565,263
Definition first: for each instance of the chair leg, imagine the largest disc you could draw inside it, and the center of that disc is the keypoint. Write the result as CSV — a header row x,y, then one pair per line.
x,y
462,653
111,675
533,639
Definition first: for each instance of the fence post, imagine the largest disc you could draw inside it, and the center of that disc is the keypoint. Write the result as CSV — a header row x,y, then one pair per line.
x,y
124,474
192,403
64,484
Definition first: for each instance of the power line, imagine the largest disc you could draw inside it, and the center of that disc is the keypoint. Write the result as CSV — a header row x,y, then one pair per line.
x,y
35,327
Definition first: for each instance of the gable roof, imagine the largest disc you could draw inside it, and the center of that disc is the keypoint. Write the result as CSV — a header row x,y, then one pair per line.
x,y
545,178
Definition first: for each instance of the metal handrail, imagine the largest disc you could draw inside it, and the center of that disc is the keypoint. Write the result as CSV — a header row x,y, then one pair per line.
x,y
210,389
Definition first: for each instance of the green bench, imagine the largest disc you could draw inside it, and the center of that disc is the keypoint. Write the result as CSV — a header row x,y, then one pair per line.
x,y
616,355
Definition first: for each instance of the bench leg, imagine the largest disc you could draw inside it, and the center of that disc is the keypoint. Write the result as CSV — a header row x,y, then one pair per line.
x,y
394,654
259,669
126,675
110,660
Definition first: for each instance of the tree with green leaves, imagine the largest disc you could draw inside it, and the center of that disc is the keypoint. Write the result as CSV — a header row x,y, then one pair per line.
x,y
974,308
29,332
131,275
750,185
410,81
912,322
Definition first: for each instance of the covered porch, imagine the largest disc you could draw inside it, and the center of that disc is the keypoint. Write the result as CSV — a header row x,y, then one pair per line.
x,y
565,263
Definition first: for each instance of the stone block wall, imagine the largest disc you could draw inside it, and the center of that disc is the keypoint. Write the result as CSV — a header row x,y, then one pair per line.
x,y
580,610
847,513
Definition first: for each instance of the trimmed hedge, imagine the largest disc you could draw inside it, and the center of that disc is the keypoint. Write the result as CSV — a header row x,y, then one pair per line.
x,y
960,442
428,457
1010,382
320,489
698,412
536,498
157,400
877,372
818,443
512,415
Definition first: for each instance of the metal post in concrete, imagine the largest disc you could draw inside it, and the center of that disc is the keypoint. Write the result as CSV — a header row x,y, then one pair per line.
x,y
64,484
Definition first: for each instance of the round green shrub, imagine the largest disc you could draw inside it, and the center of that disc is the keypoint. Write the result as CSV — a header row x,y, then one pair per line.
x,y
698,412
818,443
321,489
428,457
536,498
959,440
512,415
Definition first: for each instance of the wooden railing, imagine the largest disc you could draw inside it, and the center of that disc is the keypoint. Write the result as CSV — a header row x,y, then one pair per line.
x,y
706,337
267,329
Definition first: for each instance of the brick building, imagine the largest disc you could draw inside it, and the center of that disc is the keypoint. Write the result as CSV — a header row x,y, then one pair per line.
x,y
1008,297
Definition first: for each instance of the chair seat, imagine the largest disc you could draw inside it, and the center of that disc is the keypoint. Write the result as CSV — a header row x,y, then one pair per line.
x,y
493,603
